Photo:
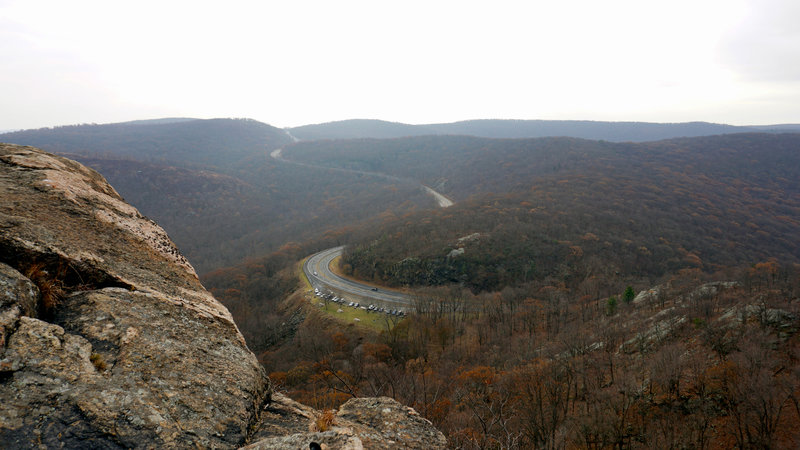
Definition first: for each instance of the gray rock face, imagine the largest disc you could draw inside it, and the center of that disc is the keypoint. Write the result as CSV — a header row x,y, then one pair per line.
x,y
384,423
129,350
108,339
18,297
360,423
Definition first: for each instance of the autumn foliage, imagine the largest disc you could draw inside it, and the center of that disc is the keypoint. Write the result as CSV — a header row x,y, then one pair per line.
x,y
691,363
579,295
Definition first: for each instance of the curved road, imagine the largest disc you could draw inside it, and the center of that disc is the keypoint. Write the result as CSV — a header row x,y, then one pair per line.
x,y
317,266
441,200
317,269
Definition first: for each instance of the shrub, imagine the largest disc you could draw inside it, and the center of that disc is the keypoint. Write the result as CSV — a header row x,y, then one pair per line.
x,y
98,361
324,421
51,288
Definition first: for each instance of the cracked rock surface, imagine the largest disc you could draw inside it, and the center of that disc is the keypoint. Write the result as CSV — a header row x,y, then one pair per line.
x,y
130,350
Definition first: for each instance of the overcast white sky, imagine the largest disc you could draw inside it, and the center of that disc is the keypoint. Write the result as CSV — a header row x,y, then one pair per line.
x,y
295,62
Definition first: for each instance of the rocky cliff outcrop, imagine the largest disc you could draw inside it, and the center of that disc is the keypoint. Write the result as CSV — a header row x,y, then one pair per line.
x,y
108,339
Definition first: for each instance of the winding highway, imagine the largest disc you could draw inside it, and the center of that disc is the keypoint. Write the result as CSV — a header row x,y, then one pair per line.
x,y
317,269
317,266
441,200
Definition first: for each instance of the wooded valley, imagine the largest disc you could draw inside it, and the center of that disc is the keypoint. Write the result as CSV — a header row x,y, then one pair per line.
x,y
580,293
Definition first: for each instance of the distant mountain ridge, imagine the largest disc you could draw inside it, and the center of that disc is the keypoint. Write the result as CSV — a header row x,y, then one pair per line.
x,y
212,185
72,138
160,121
514,129
184,142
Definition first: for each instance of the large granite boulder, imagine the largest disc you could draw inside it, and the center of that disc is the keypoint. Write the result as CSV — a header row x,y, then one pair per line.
x,y
108,339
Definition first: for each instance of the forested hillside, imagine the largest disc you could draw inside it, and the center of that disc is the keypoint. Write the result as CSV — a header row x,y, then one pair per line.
x,y
697,361
507,129
508,165
358,128
570,207
579,294
213,186
218,143
219,219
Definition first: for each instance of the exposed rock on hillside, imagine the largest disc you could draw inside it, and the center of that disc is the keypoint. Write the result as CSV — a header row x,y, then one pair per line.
x,y
107,337
370,423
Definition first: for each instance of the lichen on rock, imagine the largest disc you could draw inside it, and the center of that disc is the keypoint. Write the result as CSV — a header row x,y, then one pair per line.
x,y
134,352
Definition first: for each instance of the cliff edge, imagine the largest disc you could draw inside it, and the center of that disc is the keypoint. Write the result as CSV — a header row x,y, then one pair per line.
x,y
108,339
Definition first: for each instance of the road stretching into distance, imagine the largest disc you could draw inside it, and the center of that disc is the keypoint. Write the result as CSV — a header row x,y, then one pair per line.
x,y
441,200
317,266
317,269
